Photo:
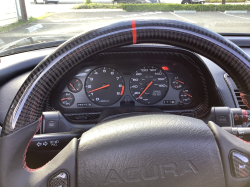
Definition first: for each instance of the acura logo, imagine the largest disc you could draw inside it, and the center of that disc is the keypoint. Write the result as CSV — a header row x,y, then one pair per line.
x,y
137,174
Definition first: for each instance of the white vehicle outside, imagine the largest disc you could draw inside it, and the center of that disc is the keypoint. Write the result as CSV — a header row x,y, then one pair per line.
x,y
45,1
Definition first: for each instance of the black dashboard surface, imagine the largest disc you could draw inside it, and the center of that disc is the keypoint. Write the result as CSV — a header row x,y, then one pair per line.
x,y
217,88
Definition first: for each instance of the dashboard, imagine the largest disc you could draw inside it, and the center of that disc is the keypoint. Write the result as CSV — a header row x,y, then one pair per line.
x,y
141,78
206,79
171,80
121,81
209,81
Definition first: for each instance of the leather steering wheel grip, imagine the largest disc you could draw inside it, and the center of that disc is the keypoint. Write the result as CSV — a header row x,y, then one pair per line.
x,y
28,104
235,156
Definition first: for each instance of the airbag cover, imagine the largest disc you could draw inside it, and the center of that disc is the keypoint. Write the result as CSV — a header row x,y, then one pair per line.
x,y
150,150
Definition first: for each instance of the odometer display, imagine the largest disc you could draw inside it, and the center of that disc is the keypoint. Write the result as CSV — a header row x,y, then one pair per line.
x,y
148,85
104,86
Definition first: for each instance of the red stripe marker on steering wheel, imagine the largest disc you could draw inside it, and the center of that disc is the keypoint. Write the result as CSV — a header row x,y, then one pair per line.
x,y
134,31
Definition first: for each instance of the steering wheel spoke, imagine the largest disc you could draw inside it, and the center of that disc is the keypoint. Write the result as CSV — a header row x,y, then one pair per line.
x,y
235,155
15,172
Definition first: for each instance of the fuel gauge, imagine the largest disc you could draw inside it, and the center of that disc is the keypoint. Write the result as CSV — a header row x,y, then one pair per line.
x,y
186,96
177,82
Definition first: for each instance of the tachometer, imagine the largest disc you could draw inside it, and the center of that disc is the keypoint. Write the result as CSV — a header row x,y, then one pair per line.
x,y
149,85
104,86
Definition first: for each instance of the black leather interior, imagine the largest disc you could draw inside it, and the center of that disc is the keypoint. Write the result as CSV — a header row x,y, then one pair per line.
x,y
150,150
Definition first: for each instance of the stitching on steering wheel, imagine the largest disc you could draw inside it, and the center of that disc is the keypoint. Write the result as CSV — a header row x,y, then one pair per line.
x,y
26,149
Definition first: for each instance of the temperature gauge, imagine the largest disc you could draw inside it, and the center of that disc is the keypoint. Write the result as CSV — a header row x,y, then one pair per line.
x,y
186,96
67,99
177,82
75,85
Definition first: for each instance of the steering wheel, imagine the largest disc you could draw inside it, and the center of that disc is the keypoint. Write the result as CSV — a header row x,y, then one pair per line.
x,y
133,150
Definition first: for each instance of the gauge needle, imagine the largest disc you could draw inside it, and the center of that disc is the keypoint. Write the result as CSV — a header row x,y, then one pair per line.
x,y
72,86
179,81
145,89
99,88
188,94
65,98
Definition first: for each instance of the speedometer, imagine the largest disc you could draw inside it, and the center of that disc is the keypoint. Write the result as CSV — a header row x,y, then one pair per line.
x,y
148,85
104,86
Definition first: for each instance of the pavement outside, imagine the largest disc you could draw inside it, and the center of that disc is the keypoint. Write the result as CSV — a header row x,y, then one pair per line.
x,y
68,22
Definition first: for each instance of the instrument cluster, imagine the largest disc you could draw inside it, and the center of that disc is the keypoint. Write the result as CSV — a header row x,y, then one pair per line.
x,y
110,85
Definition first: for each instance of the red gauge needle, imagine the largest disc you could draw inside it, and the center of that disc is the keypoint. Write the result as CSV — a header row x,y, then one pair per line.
x,y
122,90
72,86
187,94
145,89
99,88
179,81
65,98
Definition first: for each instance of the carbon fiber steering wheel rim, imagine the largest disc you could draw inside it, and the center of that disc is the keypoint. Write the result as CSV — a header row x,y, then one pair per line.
x,y
28,104
204,145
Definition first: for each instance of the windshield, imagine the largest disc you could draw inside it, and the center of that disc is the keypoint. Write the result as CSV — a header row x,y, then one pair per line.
x,y
31,22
